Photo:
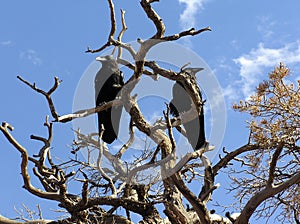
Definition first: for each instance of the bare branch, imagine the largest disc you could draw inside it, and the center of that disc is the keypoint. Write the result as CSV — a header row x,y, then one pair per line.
x,y
118,163
160,27
230,156
132,67
99,161
128,143
46,94
87,112
112,19
155,154
209,178
148,165
84,195
138,207
112,29
24,169
107,44
124,28
198,206
186,158
55,86
209,192
169,127
190,32
4,220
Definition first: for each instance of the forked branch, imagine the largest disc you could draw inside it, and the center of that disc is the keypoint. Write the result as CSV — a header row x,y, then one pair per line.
x,y
46,94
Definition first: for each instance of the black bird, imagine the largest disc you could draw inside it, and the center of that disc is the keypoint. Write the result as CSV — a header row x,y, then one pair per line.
x,y
108,83
182,102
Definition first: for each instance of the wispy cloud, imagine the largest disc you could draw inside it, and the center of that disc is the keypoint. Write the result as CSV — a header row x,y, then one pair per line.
x,y
254,64
31,56
188,16
6,43
235,44
266,27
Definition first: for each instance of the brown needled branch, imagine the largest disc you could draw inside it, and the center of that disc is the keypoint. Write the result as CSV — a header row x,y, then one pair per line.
x,y
264,194
273,163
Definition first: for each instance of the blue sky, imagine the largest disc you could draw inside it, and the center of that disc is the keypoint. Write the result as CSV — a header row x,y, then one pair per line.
x,y
40,40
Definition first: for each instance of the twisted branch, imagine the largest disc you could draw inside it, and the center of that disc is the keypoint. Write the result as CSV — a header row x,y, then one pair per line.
x,y
24,166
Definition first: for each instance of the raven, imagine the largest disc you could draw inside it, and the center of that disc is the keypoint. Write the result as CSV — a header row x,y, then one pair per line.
x,y
182,102
108,83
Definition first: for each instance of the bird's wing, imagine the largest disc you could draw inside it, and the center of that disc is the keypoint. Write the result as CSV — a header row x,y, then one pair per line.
x,y
181,101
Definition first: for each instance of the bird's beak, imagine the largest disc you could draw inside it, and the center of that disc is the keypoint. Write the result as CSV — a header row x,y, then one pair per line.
x,y
195,70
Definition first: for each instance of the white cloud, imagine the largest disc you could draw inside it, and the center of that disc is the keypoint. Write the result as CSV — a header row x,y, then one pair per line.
x,y
32,56
188,16
254,64
230,93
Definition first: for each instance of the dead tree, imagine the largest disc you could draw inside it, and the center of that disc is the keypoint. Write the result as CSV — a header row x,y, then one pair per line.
x,y
104,191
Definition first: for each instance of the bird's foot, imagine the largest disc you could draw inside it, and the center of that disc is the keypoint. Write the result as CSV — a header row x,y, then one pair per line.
x,y
102,103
